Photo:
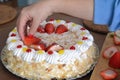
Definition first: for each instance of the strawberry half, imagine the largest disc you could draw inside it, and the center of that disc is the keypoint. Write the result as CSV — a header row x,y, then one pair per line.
x,y
108,74
54,47
40,29
108,52
116,40
114,61
49,28
30,39
61,29
40,46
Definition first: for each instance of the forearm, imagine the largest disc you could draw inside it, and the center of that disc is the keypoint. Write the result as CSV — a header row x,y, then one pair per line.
x,y
78,8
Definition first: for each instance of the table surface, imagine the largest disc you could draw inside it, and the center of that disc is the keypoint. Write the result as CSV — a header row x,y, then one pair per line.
x,y
7,27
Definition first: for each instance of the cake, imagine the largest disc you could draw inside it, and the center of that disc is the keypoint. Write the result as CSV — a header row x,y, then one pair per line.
x,y
67,54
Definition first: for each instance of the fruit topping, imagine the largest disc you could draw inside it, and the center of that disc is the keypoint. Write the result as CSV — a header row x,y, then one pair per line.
x,y
117,33
114,61
116,40
19,46
28,50
84,38
30,39
61,52
40,29
13,34
50,52
54,47
61,29
108,74
82,28
72,48
51,19
110,51
49,28
40,46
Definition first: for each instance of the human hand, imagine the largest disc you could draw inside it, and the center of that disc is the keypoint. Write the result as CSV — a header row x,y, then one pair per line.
x,y
35,14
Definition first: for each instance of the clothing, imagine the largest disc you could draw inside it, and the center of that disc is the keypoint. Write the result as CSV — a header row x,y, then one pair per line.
x,y
107,12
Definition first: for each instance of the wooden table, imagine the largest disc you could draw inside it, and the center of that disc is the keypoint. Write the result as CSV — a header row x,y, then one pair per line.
x,y
6,28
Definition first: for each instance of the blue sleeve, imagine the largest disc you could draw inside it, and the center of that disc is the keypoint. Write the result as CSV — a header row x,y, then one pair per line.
x,y
107,12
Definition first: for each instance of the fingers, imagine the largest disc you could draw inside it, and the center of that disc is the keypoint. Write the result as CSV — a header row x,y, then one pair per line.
x,y
21,25
35,24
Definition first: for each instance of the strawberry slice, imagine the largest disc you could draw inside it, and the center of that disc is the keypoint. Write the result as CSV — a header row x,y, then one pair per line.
x,y
54,47
108,74
61,29
49,28
116,40
117,33
108,52
30,39
114,61
40,46
40,29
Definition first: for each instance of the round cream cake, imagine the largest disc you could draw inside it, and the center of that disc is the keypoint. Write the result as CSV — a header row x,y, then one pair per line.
x,y
73,60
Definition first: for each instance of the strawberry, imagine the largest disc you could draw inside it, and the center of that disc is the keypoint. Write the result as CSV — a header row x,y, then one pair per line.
x,y
108,74
30,39
114,61
108,52
49,28
116,40
40,29
40,46
61,29
51,19
117,33
54,47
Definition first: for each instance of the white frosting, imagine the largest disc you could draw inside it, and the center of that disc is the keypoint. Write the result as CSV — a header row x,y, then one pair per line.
x,y
12,45
18,51
66,57
28,56
52,58
40,56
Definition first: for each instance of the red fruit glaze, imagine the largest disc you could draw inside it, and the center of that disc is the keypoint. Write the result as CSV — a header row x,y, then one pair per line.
x,y
82,28
84,38
72,47
28,50
51,19
19,46
50,52
13,34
